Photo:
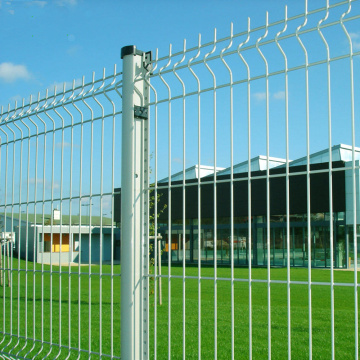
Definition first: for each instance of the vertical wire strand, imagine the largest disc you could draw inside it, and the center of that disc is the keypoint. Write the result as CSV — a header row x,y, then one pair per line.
x,y
34,230
5,267
157,249
1,247
5,218
6,242
331,215
169,201
9,267
37,108
61,226
267,183
214,190
249,246
199,248
19,222
199,223
53,182
287,182
26,231
80,222
101,208
89,226
112,218
112,222
157,243
231,192
80,205
2,270
41,234
80,95
71,235
90,210
61,215
308,207
199,175
183,204
354,189
9,257
70,217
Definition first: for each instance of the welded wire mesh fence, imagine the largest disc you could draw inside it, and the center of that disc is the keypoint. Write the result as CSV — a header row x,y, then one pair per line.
x,y
267,117
237,167
59,168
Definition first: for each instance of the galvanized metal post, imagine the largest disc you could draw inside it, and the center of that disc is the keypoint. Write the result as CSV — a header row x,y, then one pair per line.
x,y
134,205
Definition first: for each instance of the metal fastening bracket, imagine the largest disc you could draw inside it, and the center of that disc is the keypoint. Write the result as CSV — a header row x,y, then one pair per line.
x,y
147,61
141,112
132,50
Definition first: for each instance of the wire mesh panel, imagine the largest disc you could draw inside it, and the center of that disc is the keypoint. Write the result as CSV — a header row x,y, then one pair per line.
x,y
254,188
60,247
239,190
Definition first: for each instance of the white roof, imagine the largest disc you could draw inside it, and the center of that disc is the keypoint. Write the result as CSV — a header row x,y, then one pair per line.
x,y
193,172
339,152
257,163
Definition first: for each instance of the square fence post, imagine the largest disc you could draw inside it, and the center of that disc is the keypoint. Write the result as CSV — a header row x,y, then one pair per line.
x,y
134,205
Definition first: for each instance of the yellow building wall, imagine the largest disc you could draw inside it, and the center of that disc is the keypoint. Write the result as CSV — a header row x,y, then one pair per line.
x,y
56,242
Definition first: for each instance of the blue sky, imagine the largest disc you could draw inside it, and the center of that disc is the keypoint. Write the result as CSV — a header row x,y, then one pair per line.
x,y
44,43
49,42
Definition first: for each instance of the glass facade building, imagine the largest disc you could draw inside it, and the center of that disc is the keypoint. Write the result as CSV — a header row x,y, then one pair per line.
x,y
221,247
267,218
222,218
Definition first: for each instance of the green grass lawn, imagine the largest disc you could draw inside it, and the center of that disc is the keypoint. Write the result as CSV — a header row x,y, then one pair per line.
x,y
95,314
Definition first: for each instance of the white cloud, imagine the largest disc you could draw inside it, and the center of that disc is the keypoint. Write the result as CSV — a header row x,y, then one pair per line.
x,y
64,145
73,50
59,145
260,96
10,72
107,205
17,98
280,95
66,2
12,12
177,160
355,37
39,3
60,85
39,181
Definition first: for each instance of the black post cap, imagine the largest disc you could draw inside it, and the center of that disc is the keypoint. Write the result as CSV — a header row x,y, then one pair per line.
x,y
130,50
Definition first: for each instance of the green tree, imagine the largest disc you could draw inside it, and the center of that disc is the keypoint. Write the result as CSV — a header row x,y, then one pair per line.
x,y
153,235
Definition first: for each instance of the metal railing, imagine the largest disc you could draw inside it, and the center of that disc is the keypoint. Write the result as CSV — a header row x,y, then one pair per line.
x,y
239,153
59,168
284,90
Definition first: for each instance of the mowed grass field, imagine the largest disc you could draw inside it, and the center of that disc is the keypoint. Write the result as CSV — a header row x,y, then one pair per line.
x,y
86,303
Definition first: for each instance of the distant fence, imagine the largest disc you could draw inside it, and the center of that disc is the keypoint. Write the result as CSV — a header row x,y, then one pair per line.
x,y
59,165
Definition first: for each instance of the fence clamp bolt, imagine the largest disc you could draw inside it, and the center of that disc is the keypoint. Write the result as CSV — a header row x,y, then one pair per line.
x,y
141,112
147,58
